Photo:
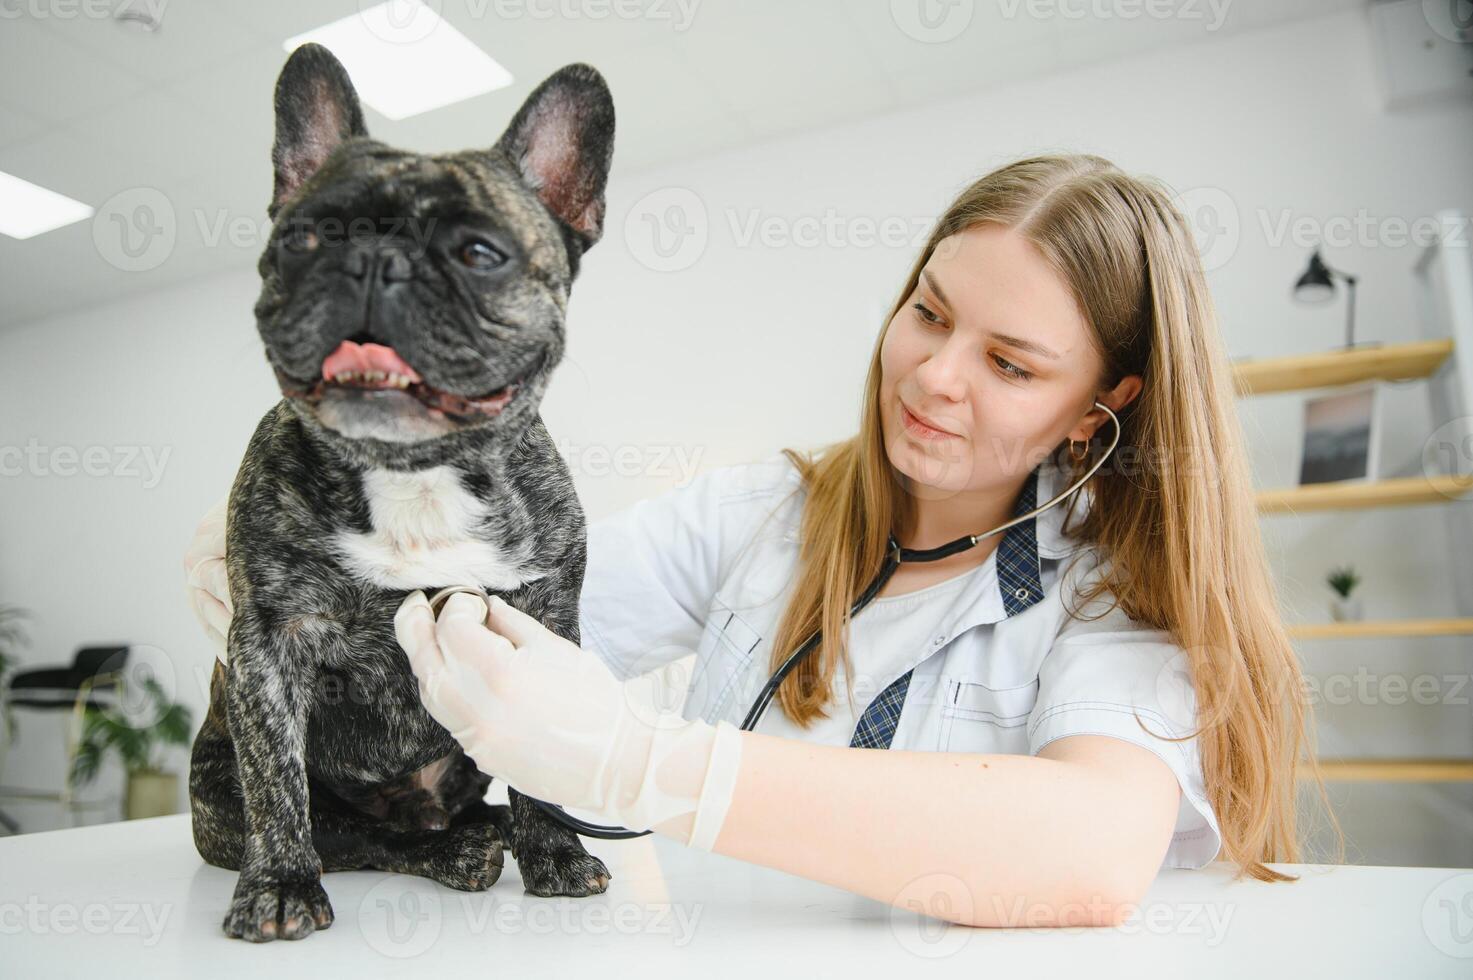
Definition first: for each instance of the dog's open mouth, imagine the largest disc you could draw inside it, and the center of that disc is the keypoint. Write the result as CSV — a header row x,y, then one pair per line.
x,y
370,367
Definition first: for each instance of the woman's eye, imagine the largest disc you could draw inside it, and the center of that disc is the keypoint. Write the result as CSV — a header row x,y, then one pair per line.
x,y
926,313
480,254
1007,366
1010,368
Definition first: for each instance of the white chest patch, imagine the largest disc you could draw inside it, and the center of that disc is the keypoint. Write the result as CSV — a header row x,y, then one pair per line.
x,y
424,535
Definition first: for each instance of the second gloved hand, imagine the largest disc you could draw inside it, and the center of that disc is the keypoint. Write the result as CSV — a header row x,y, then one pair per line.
x,y
536,710
206,584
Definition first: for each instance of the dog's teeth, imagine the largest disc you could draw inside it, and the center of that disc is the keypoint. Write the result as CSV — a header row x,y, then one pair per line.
x,y
393,379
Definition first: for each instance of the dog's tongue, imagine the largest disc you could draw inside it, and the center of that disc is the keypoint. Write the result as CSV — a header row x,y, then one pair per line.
x,y
363,358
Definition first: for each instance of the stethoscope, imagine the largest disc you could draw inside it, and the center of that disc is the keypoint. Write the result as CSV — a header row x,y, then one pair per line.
x,y
893,557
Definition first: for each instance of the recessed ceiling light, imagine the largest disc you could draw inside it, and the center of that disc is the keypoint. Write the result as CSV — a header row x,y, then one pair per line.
x,y
404,58
27,210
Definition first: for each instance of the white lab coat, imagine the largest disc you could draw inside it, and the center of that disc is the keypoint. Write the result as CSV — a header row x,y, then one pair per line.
x,y
698,576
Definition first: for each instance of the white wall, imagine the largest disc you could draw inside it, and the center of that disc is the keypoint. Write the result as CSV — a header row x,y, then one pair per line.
x,y
753,346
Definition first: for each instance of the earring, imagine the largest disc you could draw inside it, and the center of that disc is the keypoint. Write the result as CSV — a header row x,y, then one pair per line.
x,y
1082,455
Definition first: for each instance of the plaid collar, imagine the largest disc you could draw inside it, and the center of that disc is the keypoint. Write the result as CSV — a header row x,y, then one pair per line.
x,y
1016,587
1019,577
1018,583
1019,557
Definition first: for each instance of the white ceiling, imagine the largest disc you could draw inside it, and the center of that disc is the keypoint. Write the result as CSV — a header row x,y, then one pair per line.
x,y
181,119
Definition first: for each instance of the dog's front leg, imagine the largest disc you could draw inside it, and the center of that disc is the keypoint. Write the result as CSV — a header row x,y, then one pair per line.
x,y
279,894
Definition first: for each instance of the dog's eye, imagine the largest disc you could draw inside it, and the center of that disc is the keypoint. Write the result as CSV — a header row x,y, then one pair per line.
x,y
481,254
299,238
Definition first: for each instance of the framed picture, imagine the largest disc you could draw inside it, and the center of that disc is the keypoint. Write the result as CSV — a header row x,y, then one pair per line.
x,y
1342,436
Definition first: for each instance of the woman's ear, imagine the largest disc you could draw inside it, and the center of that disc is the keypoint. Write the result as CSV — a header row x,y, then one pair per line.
x,y
1125,392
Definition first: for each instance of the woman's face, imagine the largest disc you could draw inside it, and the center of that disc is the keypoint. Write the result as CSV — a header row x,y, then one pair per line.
x,y
986,367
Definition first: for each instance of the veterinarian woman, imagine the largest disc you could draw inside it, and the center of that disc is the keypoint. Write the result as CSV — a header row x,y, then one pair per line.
x,y
1103,690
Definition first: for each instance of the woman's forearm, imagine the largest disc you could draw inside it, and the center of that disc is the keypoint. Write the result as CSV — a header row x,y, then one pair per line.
x,y
978,839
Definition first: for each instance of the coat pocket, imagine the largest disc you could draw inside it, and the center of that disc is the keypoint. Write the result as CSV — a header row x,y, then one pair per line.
x,y
978,718
726,652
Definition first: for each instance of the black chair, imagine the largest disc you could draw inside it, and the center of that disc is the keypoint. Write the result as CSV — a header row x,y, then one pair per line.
x,y
94,680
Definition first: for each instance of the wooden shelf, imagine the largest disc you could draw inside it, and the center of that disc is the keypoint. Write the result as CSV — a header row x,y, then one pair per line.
x,y
1390,362
1367,629
1394,770
1356,494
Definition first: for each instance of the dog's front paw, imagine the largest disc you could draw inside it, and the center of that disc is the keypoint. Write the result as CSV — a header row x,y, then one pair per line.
x,y
563,871
469,858
265,910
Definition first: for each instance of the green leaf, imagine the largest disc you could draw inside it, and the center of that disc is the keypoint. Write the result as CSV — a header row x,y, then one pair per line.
x,y
104,731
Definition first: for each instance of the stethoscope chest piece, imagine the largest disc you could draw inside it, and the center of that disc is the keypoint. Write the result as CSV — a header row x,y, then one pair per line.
x,y
438,600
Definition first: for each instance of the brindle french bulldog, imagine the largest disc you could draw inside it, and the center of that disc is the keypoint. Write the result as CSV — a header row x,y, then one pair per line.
x,y
412,307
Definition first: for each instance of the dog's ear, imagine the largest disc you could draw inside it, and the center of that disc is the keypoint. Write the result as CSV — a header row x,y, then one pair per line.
x,y
562,142
316,110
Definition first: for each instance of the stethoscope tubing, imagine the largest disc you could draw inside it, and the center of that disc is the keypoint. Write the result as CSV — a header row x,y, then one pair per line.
x,y
894,556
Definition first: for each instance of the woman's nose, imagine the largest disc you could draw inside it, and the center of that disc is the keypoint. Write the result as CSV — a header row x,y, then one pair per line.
x,y
944,374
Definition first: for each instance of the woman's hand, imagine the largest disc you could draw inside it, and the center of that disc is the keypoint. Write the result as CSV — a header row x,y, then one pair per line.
x,y
497,692
548,717
206,583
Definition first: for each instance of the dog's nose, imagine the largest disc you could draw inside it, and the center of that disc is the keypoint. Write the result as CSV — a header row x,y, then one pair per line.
x,y
380,266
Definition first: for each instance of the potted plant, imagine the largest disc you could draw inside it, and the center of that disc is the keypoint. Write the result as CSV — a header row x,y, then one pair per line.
x,y
1344,608
151,792
12,637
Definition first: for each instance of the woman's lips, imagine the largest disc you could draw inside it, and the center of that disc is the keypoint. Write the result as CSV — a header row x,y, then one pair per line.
x,y
921,429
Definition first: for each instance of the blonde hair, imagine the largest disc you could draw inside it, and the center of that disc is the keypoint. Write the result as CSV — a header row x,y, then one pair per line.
x,y
1183,543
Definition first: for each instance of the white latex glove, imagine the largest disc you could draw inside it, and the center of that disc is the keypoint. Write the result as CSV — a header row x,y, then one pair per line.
x,y
548,717
206,583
